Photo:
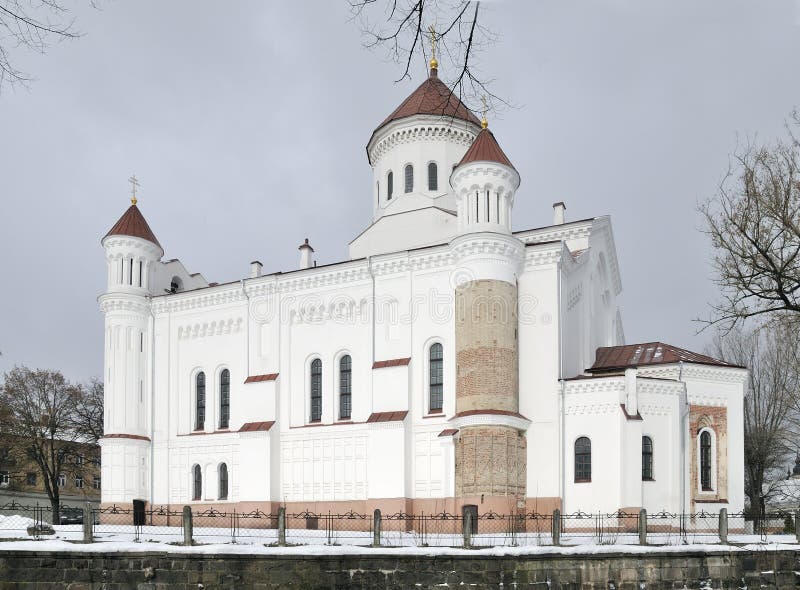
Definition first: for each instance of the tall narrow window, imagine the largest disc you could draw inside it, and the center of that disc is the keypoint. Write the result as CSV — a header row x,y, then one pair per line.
x,y
433,177
705,461
316,390
140,273
200,401
223,481
130,273
435,380
224,398
647,458
345,387
583,459
378,190
197,483
389,186
409,178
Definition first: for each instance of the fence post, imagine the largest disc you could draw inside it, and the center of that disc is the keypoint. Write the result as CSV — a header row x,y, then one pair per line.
x,y
87,523
376,528
187,525
642,527
796,526
556,527
723,526
282,526
466,529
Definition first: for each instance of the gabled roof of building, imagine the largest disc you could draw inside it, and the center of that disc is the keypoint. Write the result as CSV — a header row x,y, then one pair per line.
x,y
613,358
432,97
132,223
486,149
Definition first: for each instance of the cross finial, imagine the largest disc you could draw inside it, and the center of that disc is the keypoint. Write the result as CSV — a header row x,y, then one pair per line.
x,y
484,122
434,63
134,185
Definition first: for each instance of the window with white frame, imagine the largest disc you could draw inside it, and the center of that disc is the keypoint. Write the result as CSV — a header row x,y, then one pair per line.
x,y
197,483
5,479
200,401
223,481
78,481
706,461
316,390
224,398
62,480
435,378
345,387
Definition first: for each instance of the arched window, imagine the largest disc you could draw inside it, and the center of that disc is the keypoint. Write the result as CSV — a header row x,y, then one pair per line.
x,y
435,378
433,177
705,461
200,401
223,481
583,459
378,190
224,398
409,178
345,387
316,390
389,186
647,458
197,483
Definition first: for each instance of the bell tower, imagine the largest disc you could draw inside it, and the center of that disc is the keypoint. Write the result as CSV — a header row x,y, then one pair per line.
x,y
132,253
490,452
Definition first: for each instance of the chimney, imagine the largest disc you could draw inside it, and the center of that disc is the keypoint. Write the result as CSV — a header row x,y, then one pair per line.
x,y
255,269
558,213
306,255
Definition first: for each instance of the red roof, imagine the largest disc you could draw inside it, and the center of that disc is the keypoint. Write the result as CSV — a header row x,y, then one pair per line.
x,y
610,358
448,432
256,426
432,97
391,363
486,149
259,378
132,223
387,416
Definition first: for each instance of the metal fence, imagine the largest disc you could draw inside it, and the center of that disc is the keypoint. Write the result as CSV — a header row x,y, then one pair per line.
x,y
197,525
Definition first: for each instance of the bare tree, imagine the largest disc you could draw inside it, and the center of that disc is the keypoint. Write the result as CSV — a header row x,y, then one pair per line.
x,y
754,226
404,27
86,415
31,24
42,426
770,402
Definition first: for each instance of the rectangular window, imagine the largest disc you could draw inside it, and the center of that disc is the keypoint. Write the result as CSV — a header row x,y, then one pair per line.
x,y
79,460
130,273
30,478
78,481
316,390
4,479
436,378
62,480
96,482
140,273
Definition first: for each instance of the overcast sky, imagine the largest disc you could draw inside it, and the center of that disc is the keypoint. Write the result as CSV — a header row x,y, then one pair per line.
x,y
246,124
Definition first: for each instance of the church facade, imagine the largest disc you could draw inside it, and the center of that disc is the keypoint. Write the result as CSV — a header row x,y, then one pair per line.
x,y
449,361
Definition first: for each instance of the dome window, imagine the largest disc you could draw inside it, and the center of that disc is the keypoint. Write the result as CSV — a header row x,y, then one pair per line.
x,y
409,178
433,177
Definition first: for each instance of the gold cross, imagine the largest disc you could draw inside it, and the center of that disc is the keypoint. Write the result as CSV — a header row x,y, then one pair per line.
x,y
484,122
434,64
134,185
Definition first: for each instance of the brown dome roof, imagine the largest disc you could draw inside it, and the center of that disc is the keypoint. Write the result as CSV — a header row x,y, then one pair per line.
x,y
132,223
486,149
432,97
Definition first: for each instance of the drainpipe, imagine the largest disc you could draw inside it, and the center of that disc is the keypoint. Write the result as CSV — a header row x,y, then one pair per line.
x,y
247,329
559,269
373,312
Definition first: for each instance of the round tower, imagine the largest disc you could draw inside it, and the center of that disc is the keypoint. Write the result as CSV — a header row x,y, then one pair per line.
x,y
490,449
132,252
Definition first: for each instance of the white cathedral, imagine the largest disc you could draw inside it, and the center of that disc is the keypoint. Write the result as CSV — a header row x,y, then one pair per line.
x,y
450,361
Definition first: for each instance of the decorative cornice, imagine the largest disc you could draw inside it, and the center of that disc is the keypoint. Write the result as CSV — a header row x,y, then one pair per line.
x,y
489,418
423,128
712,373
120,244
117,302
552,233
577,409
207,329
503,178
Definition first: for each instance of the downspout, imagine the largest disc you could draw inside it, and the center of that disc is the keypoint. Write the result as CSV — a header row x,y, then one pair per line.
x,y
151,360
247,330
372,303
684,433
563,386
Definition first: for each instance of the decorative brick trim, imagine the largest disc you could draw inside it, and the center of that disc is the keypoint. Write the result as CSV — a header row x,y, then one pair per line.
x,y
260,378
130,436
391,363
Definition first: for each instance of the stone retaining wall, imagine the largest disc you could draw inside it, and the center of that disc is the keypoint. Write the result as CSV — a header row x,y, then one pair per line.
x,y
611,571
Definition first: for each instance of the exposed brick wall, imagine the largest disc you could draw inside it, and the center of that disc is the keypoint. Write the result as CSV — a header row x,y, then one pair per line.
x,y
716,419
487,375
490,460
380,569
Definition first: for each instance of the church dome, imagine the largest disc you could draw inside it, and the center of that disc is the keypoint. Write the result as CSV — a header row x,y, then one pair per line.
x,y
486,149
132,223
432,97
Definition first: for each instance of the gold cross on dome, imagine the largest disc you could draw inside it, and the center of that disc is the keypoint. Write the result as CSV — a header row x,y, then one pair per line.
x,y
434,64
134,185
484,122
